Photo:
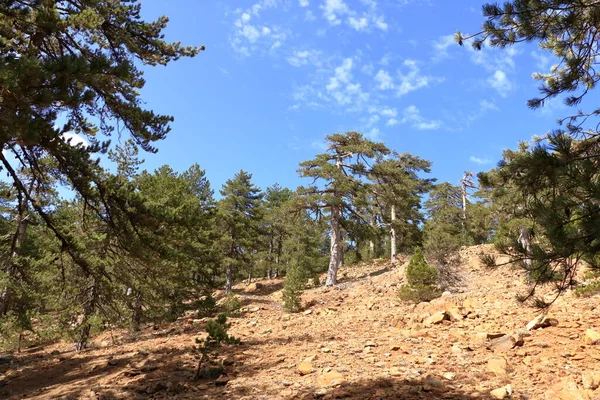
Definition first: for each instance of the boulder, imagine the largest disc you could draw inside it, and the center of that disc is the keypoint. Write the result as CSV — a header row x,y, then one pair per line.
x,y
591,337
541,321
330,378
566,389
305,368
498,366
502,393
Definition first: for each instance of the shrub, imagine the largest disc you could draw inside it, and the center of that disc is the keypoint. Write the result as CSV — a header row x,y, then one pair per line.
x,y
231,305
294,285
419,272
588,290
217,334
422,280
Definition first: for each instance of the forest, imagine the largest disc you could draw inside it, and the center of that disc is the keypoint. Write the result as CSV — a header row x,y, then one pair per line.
x,y
89,246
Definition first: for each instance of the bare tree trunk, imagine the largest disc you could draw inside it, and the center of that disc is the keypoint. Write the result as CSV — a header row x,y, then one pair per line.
x,y
278,256
270,258
250,276
18,239
525,242
393,234
136,316
89,307
335,258
464,202
371,242
228,278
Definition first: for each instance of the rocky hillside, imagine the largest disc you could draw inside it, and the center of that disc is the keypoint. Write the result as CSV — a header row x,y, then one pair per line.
x,y
356,341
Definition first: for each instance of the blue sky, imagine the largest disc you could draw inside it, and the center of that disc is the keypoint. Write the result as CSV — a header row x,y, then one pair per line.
x,y
279,75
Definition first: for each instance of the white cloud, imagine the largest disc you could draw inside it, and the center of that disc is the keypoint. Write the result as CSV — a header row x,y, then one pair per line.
x,y
501,83
249,34
384,80
480,161
389,112
359,24
74,139
487,105
303,3
392,122
304,57
441,46
413,80
542,60
412,116
334,11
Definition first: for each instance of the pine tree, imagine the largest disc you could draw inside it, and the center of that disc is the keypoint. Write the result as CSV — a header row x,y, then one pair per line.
x,y
241,214
444,229
398,190
276,202
341,170
77,61
556,179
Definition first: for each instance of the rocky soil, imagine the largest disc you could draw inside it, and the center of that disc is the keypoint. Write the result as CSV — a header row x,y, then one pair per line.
x,y
355,341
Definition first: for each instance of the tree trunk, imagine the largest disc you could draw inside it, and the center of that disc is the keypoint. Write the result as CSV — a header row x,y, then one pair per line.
x,y
335,258
11,268
250,276
136,316
393,234
464,202
229,278
278,255
525,242
89,308
371,242
270,258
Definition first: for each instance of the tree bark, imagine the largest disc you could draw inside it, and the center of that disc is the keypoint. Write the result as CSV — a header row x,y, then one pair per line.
x,y
393,234
335,258
15,250
525,241
136,316
371,242
229,278
89,308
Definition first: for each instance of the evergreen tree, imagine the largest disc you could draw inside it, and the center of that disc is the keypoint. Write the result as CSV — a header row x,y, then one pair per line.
x,y
276,202
241,215
555,181
398,190
342,170
77,61
444,229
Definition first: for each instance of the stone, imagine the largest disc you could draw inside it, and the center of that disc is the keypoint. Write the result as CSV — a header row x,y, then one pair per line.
x,y
591,380
449,376
454,314
222,380
253,287
591,337
253,309
330,378
305,368
541,321
326,350
502,393
432,384
156,387
566,389
498,366
502,344
436,318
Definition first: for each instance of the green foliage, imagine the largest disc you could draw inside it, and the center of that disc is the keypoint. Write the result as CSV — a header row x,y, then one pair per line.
x,y
422,280
217,335
418,293
589,290
293,286
418,272
231,305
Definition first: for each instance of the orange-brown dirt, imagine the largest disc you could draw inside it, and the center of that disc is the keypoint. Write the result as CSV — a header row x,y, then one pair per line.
x,y
355,341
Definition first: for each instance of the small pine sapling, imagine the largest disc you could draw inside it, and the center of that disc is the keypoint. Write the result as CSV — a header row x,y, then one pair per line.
x,y
217,334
